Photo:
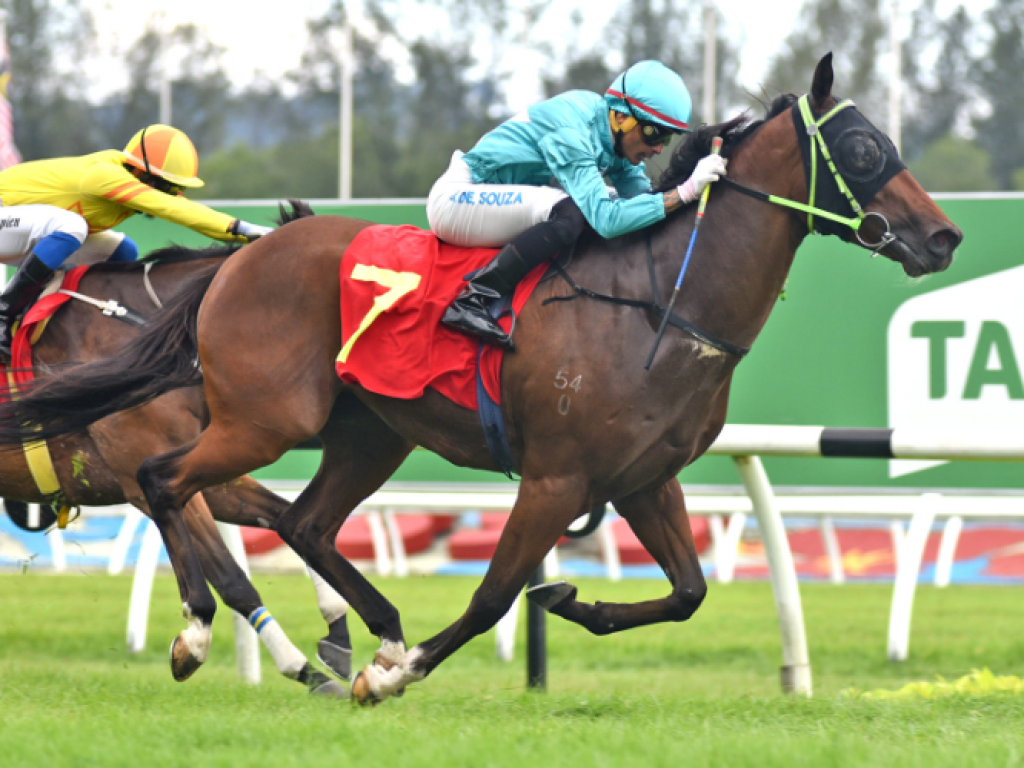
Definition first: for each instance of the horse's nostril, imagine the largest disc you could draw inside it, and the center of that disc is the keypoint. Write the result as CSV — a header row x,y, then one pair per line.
x,y
944,242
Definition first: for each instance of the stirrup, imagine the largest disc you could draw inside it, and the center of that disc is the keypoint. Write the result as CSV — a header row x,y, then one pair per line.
x,y
487,330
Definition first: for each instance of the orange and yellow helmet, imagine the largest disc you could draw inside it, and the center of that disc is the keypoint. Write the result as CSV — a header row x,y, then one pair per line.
x,y
166,152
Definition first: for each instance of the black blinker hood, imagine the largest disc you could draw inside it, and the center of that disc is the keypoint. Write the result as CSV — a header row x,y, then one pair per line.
x,y
863,155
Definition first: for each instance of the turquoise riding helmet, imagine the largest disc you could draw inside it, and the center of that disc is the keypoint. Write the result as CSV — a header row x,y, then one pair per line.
x,y
653,95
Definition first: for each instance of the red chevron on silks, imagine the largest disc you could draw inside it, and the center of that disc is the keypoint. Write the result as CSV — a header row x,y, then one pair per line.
x,y
9,154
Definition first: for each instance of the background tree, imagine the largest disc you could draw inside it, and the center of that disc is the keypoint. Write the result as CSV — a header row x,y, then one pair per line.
x,y
937,70
951,164
998,74
853,30
52,115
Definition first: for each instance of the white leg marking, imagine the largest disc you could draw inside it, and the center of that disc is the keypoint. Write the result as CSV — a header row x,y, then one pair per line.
x,y
388,682
196,635
392,652
289,659
332,605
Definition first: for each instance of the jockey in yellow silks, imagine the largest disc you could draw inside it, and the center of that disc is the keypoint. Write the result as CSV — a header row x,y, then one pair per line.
x,y
499,193
53,209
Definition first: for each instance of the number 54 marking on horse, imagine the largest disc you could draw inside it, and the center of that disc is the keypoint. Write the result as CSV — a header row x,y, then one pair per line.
x,y
400,284
562,382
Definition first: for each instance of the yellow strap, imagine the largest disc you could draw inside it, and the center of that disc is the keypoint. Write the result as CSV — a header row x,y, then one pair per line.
x,y
400,284
38,457
41,466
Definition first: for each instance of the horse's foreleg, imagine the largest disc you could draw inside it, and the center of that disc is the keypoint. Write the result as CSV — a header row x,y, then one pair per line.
x,y
220,454
246,502
239,594
189,650
659,520
542,512
360,453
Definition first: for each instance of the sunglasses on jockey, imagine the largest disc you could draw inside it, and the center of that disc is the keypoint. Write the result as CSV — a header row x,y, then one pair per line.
x,y
652,134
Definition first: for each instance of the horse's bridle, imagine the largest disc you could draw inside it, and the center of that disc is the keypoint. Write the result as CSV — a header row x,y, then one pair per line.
x,y
818,145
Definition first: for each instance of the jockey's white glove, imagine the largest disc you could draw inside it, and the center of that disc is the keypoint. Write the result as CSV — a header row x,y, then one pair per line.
x,y
708,169
250,231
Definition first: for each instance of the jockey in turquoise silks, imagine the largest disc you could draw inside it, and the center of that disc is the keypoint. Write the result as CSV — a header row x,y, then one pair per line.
x,y
498,193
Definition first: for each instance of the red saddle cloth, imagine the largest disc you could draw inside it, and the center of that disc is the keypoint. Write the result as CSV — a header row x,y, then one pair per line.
x,y
20,371
396,283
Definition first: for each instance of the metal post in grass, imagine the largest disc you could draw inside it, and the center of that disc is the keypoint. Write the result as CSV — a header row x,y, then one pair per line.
x,y
536,638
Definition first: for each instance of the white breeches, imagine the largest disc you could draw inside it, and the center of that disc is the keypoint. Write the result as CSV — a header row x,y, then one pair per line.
x,y
22,226
485,215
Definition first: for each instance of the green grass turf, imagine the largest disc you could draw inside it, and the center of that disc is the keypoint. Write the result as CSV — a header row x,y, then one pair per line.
x,y
705,692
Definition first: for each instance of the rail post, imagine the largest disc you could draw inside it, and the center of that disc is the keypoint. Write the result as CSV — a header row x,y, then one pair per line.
x,y
796,666
536,638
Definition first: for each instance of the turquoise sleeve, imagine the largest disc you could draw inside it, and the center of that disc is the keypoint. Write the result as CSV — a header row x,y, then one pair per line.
x,y
629,180
572,164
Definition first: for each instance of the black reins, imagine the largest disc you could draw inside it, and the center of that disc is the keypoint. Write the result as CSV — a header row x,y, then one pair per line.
x,y
650,306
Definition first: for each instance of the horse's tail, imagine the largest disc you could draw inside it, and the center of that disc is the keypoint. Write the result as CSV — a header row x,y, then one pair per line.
x,y
163,357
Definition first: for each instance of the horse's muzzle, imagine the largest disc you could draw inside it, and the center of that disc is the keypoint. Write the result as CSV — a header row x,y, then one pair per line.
x,y
934,254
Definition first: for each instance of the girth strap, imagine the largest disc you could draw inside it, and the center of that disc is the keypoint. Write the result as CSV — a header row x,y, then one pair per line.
x,y
673,319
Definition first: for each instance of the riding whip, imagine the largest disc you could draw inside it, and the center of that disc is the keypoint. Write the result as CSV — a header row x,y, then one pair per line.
x,y
716,146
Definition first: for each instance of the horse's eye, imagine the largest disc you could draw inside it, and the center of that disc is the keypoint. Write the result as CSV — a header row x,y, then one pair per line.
x,y
859,155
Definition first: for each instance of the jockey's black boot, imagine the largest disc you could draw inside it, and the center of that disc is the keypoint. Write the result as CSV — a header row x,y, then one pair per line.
x,y
499,277
26,284
536,245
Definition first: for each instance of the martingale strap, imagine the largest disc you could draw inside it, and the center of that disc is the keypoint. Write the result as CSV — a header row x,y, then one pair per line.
x,y
673,319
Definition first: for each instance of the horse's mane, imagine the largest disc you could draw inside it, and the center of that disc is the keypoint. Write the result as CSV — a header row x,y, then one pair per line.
x,y
176,254
733,133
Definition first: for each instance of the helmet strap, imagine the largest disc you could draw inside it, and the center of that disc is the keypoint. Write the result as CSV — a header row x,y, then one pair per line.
x,y
142,144
619,152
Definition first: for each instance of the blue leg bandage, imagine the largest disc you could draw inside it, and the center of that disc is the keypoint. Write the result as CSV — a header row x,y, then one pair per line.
x,y
53,250
126,251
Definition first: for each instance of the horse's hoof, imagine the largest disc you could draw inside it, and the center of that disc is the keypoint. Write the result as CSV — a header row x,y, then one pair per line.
x,y
550,595
183,663
361,693
322,686
335,658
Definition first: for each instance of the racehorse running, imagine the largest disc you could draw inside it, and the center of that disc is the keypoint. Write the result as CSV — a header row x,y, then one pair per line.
x,y
267,334
97,467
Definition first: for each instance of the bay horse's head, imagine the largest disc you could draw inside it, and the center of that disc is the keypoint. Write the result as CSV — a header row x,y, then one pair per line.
x,y
854,171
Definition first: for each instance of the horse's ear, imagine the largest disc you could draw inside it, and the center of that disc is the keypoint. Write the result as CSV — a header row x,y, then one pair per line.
x,y
821,86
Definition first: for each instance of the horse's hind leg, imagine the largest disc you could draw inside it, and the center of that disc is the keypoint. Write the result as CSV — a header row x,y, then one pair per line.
x,y
542,512
659,520
246,502
239,594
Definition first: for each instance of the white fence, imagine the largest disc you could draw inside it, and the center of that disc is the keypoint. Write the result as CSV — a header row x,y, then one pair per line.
x,y
745,444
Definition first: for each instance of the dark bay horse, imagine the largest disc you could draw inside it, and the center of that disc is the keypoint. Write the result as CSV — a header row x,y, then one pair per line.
x,y
267,334
97,467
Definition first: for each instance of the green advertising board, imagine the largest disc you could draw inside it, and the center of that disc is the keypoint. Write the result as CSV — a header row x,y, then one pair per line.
x,y
856,343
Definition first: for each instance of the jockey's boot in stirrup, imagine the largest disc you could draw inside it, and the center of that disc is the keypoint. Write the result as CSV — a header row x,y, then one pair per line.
x,y
26,284
499,277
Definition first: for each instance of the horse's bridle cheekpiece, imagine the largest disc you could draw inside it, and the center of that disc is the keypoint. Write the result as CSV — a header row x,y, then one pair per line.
x,y
857,161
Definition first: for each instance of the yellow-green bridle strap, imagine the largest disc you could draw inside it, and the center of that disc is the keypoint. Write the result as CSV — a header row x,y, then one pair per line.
x,y
813,128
